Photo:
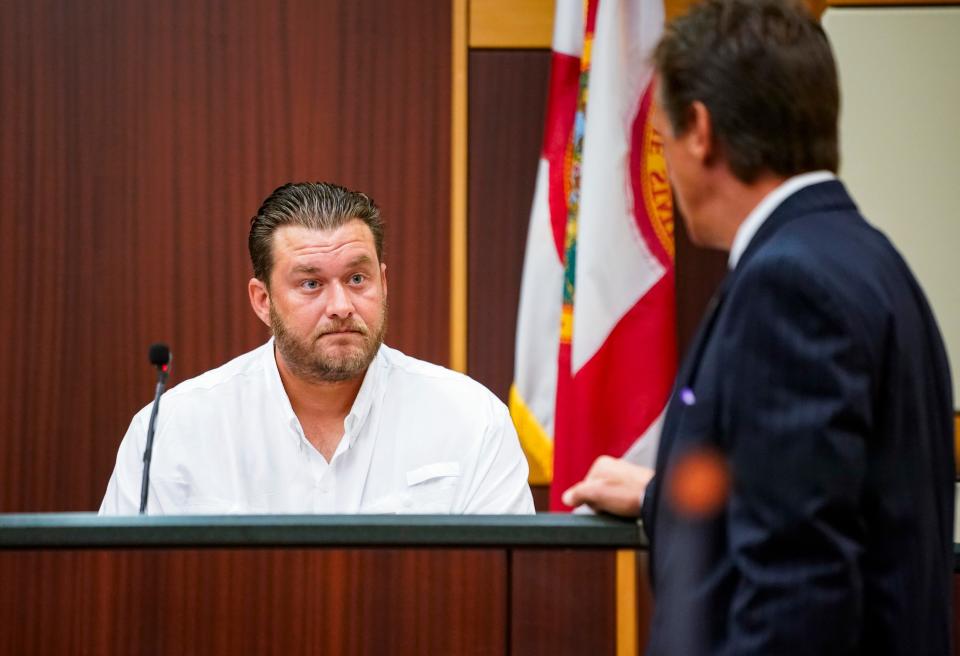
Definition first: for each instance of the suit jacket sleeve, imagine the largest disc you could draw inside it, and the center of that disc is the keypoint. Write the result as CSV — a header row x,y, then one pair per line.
x,y
795,418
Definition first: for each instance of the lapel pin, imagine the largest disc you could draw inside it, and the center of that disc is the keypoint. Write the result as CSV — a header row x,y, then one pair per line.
x,y
687,396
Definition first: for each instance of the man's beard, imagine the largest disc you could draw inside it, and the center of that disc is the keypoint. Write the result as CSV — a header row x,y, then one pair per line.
x,y
306,359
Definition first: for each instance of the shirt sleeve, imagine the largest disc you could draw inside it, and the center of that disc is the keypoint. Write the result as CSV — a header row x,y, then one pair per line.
x,y
500,484
167,493
123,490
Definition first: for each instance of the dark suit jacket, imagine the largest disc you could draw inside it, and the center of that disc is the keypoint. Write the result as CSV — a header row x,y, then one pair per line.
x,y
821,378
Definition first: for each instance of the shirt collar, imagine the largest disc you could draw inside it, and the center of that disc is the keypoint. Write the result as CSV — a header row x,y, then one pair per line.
x,y
372,383
765,208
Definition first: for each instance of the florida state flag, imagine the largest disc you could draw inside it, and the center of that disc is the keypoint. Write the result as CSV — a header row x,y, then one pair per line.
x,y
596,342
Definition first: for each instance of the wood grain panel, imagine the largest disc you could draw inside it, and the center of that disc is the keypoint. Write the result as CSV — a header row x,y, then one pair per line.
x,y
579,619
511,23
676,8
508,91
890,3
541,497
137,139
253,602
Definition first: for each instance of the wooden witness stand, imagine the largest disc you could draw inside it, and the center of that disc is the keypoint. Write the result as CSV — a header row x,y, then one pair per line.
x,y
545,584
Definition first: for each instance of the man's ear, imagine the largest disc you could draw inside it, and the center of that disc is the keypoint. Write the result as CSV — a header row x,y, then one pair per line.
x,y
383,278
699,134
259,299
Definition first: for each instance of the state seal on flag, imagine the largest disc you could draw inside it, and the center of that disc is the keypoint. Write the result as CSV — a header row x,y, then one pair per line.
x,y
654,182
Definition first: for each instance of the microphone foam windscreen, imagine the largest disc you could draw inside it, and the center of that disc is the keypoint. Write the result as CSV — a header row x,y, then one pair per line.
x,y
159,354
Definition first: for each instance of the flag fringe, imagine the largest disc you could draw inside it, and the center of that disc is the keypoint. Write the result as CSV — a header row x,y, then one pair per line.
x,y
536,444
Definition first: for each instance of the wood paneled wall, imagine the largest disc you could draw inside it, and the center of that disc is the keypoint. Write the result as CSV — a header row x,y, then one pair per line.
x,y
508,93
136,141
529,23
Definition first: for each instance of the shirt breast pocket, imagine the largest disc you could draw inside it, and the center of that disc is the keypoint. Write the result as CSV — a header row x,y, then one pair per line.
x,y
431,490
433,496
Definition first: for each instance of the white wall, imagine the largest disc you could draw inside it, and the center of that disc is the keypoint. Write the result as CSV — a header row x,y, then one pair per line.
x,y
900,140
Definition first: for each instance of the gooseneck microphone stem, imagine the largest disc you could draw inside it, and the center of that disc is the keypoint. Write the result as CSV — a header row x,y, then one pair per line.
x,y
160,358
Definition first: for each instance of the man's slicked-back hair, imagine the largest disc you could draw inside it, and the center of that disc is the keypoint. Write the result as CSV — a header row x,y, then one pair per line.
x,y
314,205
765,71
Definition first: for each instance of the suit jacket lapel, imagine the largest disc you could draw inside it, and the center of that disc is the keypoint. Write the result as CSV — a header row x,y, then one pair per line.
x,y
686,375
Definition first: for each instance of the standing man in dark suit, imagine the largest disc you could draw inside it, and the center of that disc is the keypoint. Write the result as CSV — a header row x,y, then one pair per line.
x,y
802,501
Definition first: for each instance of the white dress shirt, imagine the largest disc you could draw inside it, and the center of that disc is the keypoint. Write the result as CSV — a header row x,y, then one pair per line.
x,y
418,439
765,208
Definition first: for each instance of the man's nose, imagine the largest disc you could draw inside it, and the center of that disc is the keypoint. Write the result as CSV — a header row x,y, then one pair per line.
x,y
339,303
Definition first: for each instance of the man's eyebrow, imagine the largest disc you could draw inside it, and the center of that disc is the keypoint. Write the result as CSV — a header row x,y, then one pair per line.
x,y
305,268
359,261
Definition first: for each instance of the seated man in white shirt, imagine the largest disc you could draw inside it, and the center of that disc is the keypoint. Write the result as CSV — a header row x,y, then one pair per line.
x,y
323,418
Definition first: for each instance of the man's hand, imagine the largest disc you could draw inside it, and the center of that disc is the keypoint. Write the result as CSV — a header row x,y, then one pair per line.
x,y
612,485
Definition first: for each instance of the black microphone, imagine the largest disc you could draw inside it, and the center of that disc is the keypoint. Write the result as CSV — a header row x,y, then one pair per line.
x,y
160,357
